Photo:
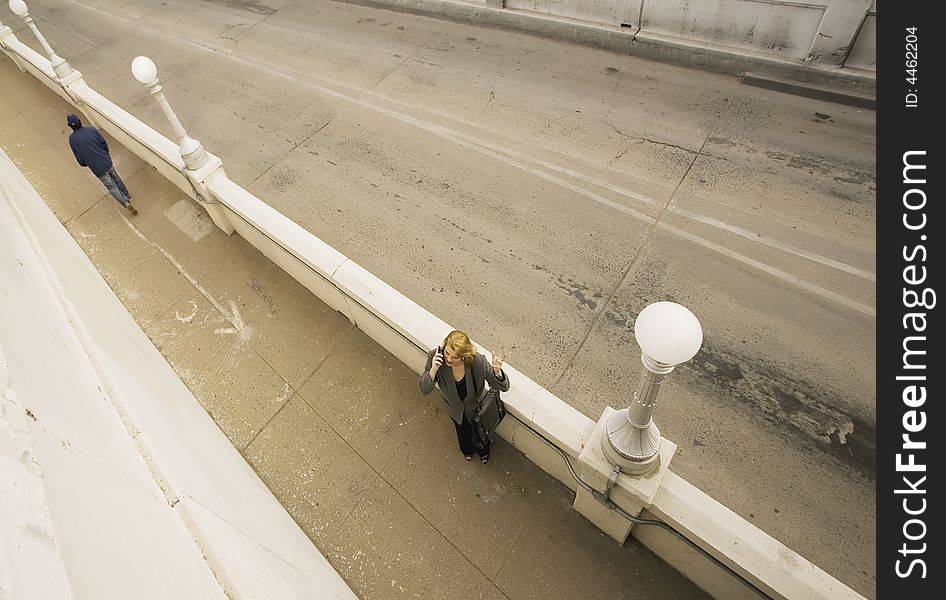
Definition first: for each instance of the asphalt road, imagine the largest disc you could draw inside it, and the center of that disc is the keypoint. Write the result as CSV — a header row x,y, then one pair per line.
x,y
538,195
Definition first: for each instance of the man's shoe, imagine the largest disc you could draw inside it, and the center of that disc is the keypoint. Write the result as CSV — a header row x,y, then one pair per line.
x,y
131,209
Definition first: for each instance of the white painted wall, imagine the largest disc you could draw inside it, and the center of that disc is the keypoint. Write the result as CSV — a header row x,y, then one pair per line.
x,y
100,493
30,561
106,525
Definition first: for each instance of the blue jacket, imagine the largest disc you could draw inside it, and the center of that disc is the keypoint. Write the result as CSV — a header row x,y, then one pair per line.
x,y
91,150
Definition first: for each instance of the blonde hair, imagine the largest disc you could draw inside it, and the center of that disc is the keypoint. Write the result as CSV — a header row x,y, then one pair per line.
x,y
461,345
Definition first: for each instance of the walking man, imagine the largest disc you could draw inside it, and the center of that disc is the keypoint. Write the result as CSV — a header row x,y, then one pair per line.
x,y
91,151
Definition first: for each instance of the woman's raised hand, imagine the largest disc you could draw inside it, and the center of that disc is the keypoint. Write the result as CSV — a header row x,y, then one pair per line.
x,y
498,360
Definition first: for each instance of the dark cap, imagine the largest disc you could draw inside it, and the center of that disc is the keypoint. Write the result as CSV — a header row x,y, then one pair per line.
x,y
73,121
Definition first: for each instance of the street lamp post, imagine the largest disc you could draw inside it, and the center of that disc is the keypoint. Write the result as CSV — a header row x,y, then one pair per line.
x,y
668,334
59,64
200,167
192,151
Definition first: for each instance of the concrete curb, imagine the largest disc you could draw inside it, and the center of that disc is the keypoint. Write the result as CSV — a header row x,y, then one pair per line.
x,y
810,91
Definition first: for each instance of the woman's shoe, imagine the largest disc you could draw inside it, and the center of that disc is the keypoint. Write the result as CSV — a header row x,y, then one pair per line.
x,y
468,456
485,459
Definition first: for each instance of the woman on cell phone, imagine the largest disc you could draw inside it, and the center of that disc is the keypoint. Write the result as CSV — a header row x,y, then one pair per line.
x,y
460,372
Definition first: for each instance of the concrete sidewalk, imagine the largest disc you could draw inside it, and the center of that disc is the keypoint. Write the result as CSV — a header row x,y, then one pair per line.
x,y
333,424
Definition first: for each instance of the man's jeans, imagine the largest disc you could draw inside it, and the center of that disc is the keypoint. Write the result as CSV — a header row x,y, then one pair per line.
x,y
115,185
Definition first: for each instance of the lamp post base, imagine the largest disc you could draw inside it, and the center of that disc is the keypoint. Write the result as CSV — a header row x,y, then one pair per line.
x,y
636,449
192,153
631,492
61,68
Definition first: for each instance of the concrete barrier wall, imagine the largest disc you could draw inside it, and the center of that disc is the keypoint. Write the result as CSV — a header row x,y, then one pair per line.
x,y
863,53
830,43
734,541
30,61
822,31
407,330
783,29
610,12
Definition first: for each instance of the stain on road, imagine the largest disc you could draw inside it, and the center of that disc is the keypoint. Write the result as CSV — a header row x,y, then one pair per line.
x,y
253,7
789,403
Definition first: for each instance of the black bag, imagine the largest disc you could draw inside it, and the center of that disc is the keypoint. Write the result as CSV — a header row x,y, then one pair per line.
x,y
487,417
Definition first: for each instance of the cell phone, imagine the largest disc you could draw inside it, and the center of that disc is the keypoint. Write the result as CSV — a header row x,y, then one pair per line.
x,y
440,352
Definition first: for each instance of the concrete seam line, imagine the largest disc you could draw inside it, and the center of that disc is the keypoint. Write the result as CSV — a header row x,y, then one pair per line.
x,y
232,318
180,504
